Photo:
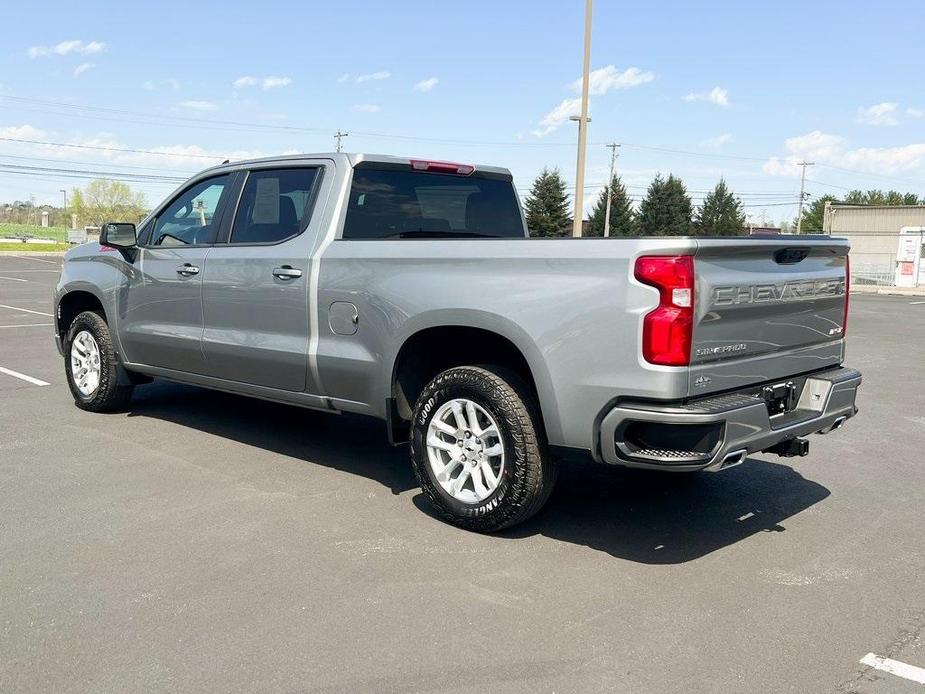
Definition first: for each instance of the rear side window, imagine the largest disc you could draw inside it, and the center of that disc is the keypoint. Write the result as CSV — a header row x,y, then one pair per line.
x,y
275,205
402,203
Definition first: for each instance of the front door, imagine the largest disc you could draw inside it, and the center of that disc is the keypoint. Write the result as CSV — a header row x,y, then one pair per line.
x,y
161,310
256,282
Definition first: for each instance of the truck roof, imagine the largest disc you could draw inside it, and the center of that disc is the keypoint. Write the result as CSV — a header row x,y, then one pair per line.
x,y
350,158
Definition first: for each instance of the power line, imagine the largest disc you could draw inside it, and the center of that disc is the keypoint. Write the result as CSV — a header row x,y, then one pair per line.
x,y
200,122
94,163
109,149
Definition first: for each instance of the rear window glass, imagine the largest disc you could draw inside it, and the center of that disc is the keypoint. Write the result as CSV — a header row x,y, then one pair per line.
x,y
396,203
275,205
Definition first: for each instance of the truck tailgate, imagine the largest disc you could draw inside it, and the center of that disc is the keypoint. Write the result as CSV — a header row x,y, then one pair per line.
x,y
766,308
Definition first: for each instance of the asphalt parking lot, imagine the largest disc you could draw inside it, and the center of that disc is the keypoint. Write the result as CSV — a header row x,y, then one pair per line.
x,y
206,542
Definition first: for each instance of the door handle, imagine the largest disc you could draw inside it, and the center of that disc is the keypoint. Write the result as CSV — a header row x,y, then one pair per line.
x,y
187,270
286,272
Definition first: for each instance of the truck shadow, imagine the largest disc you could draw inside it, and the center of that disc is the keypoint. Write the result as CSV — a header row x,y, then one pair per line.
x,y
664,518
646,517
350,443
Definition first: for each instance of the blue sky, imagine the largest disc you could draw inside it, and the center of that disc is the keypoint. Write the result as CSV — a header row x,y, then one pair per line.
x,y
742,89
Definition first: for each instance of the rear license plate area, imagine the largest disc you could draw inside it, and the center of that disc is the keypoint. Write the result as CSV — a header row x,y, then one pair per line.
x,y
780,398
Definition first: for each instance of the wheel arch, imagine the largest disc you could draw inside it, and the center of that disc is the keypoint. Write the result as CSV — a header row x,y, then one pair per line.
x,y
438,341
74,301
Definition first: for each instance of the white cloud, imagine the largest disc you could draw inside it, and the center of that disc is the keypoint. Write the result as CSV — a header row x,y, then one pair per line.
x,y
604,79
366,108
246,81
825,148
375,76
426,85
368,77
271,82
199,105
171,82
915,112
82,68
559,115
879,114
68,47
22,132
717,95
718,141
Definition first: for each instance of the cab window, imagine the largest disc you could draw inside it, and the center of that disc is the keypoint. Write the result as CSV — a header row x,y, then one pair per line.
x,y
275,205
190,219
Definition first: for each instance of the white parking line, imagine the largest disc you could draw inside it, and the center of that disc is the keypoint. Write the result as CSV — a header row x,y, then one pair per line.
x,y
894,667
26,310
13,279
916,303
32,257
28,325
23,377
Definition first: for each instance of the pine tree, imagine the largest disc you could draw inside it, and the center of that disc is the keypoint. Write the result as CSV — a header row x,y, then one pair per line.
x,y
547,205
813,215
720,214
666,209
622,217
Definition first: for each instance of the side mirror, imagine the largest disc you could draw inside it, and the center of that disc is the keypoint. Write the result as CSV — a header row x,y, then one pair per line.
x,y
121,235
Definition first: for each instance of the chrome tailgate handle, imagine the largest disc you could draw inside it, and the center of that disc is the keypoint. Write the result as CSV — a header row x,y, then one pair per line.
x,y
286,272
187,270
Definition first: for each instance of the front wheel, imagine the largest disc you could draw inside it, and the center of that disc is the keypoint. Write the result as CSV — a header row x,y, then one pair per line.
x,y
478,449
91,365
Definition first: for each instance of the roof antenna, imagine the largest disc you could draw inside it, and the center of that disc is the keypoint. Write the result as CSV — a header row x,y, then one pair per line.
x,y
226,161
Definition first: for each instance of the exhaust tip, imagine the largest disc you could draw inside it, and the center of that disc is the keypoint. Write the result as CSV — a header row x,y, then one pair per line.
x,y
734,458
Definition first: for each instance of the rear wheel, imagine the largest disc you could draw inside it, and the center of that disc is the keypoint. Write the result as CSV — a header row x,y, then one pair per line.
x,y
91,365
478,449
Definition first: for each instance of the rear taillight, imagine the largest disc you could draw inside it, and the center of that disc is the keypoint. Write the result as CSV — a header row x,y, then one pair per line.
x,y
442,167
844,323
667,330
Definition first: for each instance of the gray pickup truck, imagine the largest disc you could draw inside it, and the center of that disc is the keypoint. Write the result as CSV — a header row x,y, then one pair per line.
x,y
410,291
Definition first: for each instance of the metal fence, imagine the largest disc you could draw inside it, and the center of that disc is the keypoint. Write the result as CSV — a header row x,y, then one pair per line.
x,y
873,269
874,258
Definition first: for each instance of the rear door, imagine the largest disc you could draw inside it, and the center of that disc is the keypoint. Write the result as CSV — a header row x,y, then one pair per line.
x,y
161,321
256,285
766,309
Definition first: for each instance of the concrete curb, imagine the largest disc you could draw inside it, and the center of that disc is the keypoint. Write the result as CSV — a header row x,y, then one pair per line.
x,y
889,291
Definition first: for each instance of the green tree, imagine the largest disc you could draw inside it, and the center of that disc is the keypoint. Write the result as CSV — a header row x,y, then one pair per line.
x,y
720,214
814,214
666,209
622,218
547,205
103,200
878,197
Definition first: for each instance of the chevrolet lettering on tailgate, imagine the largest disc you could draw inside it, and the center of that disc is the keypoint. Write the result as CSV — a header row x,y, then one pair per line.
x,y
786,292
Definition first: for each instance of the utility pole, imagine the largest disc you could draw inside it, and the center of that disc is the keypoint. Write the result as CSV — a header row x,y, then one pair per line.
x,y
583,128
64,213
613,158
804,164
338,136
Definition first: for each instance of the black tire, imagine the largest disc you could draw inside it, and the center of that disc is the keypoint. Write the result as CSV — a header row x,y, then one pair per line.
x,y
529,472
109,395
